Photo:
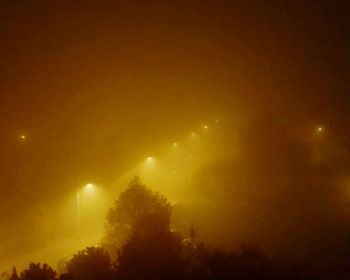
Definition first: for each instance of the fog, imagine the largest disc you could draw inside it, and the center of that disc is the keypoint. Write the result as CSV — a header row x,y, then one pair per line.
x,y
236,112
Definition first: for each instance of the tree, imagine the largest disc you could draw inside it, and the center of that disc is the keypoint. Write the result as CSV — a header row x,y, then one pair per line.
x,y
5,276
139,211
38,272
14,274
92,263
150,249
247,263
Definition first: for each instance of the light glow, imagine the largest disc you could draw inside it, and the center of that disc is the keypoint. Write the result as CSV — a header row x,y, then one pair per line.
x,y
89,186
149,159
320,130
89,189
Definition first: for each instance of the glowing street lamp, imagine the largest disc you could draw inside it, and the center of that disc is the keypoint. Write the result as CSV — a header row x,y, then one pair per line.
x,y
23,137
150,159
320,129
88,187
149,164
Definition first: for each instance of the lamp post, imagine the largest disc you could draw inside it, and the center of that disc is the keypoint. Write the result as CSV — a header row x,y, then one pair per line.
x,y
78,206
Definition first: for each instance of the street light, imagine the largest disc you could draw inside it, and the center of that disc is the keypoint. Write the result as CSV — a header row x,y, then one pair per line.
x,y
319,130
149,159
88,187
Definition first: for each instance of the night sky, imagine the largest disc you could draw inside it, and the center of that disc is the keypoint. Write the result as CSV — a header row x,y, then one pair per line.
x,y
89,89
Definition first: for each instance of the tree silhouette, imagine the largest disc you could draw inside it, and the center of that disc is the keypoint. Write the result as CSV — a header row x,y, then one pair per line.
x,y
150,249
5,276
91,263
152,257
38,272
14,274
137,211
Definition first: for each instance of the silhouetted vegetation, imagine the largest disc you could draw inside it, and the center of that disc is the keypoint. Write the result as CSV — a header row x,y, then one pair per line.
x,y
138,214
146,247
37,272
91,263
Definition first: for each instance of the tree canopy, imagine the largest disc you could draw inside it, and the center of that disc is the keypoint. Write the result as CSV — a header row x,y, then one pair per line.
x,y
138,212
91,263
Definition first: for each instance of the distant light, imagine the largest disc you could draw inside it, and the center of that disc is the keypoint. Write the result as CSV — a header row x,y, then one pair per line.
x,y
89,185
205,127
150,159
150,162
89,188
23,137
320,129
175,144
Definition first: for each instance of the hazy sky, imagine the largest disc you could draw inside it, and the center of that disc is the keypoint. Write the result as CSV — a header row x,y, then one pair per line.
x,y
97,86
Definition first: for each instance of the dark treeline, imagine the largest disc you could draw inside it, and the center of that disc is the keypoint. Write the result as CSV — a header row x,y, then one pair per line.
x,y
140,243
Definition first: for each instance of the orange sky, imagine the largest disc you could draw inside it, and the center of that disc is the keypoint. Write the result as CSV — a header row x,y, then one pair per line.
x,y
97,86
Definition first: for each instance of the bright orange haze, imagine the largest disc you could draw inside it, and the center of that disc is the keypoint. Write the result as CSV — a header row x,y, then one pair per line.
x,y
237,112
